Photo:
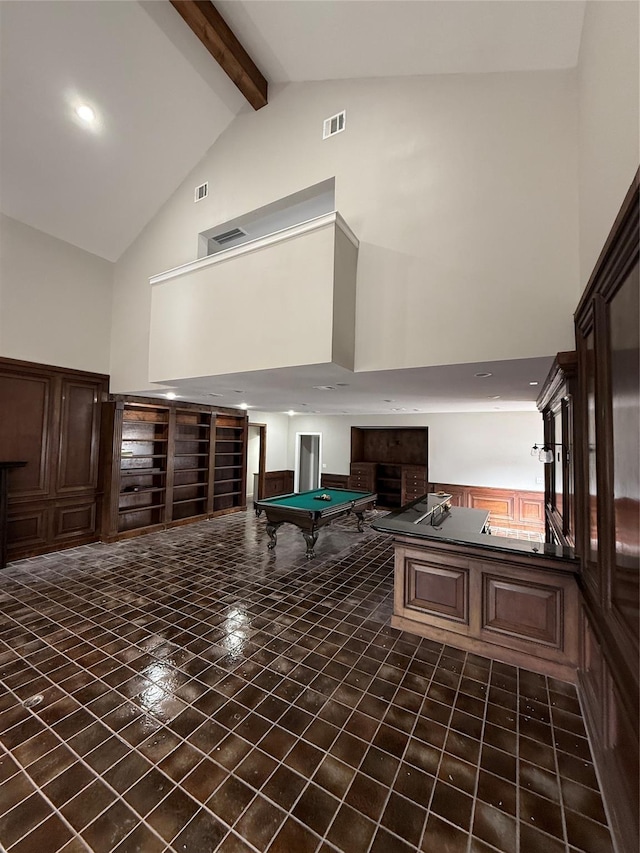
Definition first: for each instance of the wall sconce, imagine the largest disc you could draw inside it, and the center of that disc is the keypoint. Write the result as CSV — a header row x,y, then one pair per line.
x,y
544,452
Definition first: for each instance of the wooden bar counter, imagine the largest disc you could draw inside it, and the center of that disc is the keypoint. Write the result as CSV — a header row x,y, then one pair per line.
x,y
507,599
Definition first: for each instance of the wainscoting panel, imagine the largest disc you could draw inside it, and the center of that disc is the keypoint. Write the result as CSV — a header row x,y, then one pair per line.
x,y
511,508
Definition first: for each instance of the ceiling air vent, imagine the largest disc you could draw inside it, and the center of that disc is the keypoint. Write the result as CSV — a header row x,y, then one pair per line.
x,y
201,192
334,125
228,236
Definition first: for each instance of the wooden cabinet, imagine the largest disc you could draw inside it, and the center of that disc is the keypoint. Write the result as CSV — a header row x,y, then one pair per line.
x,y
391,461
607,479
166,464
334,481
278,483
50,420
362,476
556,403
413,483
388,485
515,607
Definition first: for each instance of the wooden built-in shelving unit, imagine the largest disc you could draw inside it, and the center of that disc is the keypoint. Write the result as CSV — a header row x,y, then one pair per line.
x,y
391,461
230,464
165,464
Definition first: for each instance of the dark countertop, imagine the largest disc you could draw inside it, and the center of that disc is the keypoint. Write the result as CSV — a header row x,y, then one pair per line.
x,y
461,526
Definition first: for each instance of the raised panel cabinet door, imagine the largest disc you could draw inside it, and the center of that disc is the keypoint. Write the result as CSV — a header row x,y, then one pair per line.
x,y
79,436
524,610
438,590
25,432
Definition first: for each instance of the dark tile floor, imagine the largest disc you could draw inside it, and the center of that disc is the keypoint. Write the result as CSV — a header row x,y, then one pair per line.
x,y
189,691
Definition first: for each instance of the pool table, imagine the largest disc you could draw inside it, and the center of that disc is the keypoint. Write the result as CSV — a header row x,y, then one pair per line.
x,y
309,512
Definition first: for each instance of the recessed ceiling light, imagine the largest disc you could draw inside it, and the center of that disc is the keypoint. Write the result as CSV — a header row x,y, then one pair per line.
x,y
495,397
389,401
86,113
342,384
324,387
482,375
171,395
215,395
533,383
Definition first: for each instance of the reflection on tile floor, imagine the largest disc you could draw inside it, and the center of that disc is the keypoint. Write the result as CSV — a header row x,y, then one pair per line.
x,y
189,691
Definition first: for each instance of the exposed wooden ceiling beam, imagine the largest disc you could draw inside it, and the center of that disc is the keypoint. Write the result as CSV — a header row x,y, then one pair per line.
x,y
210,27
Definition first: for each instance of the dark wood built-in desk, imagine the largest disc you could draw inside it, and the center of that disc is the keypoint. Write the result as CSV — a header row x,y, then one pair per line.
x,y
508,599
5,467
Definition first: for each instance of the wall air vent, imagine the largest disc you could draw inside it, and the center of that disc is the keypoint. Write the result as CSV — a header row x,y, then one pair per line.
x,y
334,125
228,236
201,192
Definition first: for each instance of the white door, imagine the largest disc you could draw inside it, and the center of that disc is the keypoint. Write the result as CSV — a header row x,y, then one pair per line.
x,y
308,461
253,460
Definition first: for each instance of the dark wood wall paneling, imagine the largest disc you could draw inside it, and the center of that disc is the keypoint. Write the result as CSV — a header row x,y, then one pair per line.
x,y
51,421
608,491
512,508
277,483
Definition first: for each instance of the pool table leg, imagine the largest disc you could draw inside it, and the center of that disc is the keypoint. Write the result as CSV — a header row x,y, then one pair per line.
x,y
360,517
273,538
310,538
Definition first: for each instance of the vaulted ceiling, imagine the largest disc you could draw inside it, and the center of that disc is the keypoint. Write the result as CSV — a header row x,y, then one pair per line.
x,y
161,100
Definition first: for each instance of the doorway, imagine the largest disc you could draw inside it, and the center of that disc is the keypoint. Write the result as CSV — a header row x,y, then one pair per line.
x,y
308,461
256,451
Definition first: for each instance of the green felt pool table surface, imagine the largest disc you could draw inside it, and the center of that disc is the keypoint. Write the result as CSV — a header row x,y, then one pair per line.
x,y
309,501
309,513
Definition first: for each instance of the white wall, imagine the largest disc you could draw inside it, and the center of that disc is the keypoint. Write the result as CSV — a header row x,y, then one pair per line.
x,y
609,92
200,319
486,449
277,439
461,188
55,300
